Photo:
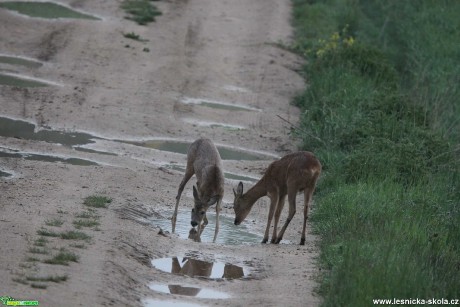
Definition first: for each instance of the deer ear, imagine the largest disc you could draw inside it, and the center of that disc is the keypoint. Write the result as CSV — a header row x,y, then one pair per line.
x,y
239,189
195,193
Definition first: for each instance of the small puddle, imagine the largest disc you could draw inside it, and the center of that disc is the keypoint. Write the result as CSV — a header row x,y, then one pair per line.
x,y
12,80
5,174
159,303
214,125
191,267
189,291
49,10
47,158
182,148
229,234
218,104
227,175
12,60
25,130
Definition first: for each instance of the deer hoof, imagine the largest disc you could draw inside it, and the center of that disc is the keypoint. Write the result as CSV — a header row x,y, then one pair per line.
x,y
302,241
264,241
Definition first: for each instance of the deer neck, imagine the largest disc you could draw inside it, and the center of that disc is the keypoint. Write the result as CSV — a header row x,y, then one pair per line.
x,y
253,194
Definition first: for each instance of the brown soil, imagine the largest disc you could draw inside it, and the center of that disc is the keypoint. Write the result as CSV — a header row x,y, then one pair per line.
x,y
216,50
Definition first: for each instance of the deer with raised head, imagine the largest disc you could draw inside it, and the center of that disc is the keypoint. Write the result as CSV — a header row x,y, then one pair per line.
x,y
291,174
204,161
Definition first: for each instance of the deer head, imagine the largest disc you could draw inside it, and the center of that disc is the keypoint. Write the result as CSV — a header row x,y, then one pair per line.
x,y
240,205
201,206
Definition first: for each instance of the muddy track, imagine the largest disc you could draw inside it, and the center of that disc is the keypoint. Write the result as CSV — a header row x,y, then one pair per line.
x,y
205,69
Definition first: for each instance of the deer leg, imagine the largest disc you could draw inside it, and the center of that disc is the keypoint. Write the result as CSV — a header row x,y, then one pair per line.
x,y
217,220
308,195
291,198
188,174
273,203
279,208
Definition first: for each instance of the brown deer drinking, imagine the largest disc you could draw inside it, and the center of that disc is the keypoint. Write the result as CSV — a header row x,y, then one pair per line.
x,y
204,161
291,174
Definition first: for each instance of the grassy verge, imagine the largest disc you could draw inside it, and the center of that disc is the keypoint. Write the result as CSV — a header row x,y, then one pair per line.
x,y
382,114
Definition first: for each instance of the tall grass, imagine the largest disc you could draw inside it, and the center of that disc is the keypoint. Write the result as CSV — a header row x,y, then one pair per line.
x,y
382,113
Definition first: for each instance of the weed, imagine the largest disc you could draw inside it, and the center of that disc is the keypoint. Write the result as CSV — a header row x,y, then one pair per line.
x,y
85,223
38,286
55,279
97,201
62,258
20,281
140,11
47,233
35,250
78,245
54,222
88,215
41,242
74,235
134,36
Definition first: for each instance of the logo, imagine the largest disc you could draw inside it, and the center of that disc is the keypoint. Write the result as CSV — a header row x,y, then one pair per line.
x,y
9,301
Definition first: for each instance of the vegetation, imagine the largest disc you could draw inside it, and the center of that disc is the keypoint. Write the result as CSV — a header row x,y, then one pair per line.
x,y
85,223
62,258
97,201
54,222
381,112
140,11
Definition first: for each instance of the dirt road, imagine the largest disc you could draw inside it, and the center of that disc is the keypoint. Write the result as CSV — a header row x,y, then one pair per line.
x,y
205,68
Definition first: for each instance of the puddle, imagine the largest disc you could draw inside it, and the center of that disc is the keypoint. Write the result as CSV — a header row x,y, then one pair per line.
x,y
182,148
160,303
12,80
215,125
218,104
191,267
189,291
49,10
19,61
47,158
231,176
229,234
5,174
25,130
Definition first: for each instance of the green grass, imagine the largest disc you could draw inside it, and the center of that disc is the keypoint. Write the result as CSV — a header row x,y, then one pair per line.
x,y
381,113
47,233
74,235
85,223
90,214
55,279
62,258
54,222
140,11
36,250
134,36
97,201
40,242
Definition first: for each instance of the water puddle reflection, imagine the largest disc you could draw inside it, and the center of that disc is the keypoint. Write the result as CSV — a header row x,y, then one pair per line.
x,y
13,60
25,130
49,10
218,104
12,80
229,234
47,158
199,268
5,174
189,291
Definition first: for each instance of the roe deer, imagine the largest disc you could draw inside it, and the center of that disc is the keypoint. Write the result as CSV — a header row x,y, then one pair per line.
x,y
291,174
204,161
